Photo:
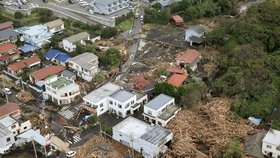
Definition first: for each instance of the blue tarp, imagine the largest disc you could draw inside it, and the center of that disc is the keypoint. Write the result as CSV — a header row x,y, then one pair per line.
x,y
255,120
58,55
28,48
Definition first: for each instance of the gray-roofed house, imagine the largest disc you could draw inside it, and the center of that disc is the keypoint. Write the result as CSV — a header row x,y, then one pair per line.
x,y
109,6
69,75
160,110
8,36
271,143
69,43
150,141
85,65
6,139
195,34
55,26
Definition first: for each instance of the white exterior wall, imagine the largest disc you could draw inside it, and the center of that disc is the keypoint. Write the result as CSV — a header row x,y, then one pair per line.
x,y
88,76
190,33
4,145
54,30
266,150
99,110
123,110
68,46
17,128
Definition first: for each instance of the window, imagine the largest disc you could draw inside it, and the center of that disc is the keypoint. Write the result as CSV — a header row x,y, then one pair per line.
x,y
269,146
159,123
101,109
25,127
110,102
13,126
149,112
66,94
127,105
8,139
101,105
278,148
120,135
120,106
132,102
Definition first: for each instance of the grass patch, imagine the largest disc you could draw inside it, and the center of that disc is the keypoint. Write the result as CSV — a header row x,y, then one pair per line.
x,y
126,25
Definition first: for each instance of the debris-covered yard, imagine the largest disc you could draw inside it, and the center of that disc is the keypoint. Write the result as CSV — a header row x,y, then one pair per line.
x,y
205,129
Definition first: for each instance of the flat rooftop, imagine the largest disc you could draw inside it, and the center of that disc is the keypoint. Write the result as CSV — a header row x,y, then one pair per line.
x,y
159,101
61,82
122,95
102,92
132,127
4,131
7,121
156,135
272,137
169,112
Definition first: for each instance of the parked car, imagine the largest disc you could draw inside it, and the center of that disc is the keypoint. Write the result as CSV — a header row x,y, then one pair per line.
x,y
141,17
70,153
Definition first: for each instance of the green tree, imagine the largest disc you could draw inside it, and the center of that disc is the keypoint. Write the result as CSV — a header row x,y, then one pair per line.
x,y
165,88
92,119
112,58
18,15
233,150
107,129
161,71
108,32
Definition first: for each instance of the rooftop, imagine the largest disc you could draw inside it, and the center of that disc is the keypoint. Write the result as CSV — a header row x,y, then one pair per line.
x,y
57,55
156,135
6,25
24,63
159,101
8,108
35,135
86,60
55,23
7,121
47,71
177,79
140,82
176,70
132,127
33,30
190,56
7,47
67,73
7,33
102,92
61,82
169,112
77,37
272,137
177,18
4,131
197,28
122,95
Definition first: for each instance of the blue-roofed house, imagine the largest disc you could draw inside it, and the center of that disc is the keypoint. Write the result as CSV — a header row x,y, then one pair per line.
x,y
56,56
26,48
37,35
160,110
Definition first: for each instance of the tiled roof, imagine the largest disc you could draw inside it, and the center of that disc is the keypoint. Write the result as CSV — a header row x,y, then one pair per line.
x,y
8,108
24,63
190,56
6,25
7,56
57,55
176,70
140,82
47,71
177,79
55,23
7,47
7,33
177,18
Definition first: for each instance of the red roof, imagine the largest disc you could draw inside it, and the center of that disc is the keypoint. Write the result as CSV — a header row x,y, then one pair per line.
x,y
24,63
190,56
6,25
8,108
45,72
141,82
177,18
177,79
7,56
7,47
176,70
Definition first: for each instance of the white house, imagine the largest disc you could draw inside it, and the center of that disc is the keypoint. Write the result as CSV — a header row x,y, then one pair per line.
x,y
6,139
149,141
55,26
271,144
124,103
160,110
61,90
69,43
195,34
98,98
109,6
37,35
15,126
111,97
85,65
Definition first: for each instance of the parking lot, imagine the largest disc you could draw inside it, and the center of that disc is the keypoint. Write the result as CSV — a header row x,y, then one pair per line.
x,y
19,4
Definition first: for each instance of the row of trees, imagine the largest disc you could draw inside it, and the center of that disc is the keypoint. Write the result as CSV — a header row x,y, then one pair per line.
x,y
249,61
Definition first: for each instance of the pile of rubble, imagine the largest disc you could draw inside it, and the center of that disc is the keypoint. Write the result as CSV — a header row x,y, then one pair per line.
x,y
205,129
25,96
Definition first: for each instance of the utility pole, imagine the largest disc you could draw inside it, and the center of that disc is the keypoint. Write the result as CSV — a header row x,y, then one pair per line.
x,y
36,156
131,139
100,129
6,95
22,84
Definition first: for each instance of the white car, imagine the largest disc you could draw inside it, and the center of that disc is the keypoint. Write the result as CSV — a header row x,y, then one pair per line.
x,y
70,153
141,17
7,91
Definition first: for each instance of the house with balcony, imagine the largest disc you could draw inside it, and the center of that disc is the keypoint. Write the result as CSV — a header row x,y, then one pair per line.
x,y
8,36
149,141
37,35
271,144
61,90
55,26
84,65
109,6
70,43
160,110
8,53
123,103
43,73
7,140
16,126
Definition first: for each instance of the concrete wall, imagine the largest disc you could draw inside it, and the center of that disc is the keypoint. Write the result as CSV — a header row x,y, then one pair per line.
x,y
123,110
273,150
